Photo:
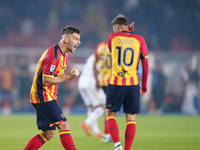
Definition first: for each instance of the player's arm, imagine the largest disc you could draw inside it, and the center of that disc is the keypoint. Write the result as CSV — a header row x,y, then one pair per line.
x,y
49,71
145,67
95,67
47,81
145,71
96,73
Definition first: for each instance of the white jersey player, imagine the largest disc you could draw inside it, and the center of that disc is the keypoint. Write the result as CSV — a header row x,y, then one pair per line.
x,y
93,98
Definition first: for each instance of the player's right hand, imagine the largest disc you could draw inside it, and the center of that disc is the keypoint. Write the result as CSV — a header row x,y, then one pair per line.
x,y
73,73
131,27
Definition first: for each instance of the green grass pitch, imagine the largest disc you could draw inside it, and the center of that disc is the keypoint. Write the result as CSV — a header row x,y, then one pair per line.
x,y
153,133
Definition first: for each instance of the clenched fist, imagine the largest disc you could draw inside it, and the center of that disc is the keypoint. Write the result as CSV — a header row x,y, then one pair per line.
x,y
73,73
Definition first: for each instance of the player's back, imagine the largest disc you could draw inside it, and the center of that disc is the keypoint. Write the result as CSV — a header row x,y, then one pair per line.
x,y
126,49
103,58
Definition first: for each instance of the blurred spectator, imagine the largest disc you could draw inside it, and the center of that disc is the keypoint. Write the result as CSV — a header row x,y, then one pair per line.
x,y
24,79
191,79
158,87
7,76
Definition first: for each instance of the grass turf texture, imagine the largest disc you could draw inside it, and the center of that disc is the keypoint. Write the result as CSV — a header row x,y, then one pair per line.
x,y
153,133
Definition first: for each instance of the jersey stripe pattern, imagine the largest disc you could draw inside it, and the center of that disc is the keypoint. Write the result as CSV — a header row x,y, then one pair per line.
x,y
103,58
52,63
126,49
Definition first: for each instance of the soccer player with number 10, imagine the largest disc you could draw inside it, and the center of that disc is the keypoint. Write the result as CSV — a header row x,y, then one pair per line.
x,y
126,51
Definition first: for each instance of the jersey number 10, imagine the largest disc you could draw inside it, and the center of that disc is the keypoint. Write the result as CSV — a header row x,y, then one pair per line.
x,y
124,56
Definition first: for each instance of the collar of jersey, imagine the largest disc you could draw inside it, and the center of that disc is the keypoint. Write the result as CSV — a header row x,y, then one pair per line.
x,y
125,31
60,50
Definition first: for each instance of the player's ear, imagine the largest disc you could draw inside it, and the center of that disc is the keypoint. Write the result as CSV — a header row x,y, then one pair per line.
x,y
66,39
116,28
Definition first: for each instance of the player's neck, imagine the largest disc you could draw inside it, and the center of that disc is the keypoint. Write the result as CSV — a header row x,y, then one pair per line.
x,y
123,28
62,46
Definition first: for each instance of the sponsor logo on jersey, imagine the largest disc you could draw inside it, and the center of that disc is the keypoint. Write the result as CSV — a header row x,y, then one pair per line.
x,y
122,74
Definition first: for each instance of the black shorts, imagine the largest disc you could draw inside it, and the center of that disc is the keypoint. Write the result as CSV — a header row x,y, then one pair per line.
x,y
105,88
129,96
48,115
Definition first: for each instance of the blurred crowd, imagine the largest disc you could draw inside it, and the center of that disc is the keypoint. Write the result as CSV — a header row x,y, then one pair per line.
x,y
166,25
187,102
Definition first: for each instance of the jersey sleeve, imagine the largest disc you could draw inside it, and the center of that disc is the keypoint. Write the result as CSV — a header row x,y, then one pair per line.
x,y
145,66
50,66
143,50
145,71
109,42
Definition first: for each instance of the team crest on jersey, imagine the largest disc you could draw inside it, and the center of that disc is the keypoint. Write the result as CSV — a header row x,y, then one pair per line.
x,y
52,68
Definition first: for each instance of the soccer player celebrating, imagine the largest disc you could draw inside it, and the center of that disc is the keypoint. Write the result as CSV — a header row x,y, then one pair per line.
x,y
48,74
126,51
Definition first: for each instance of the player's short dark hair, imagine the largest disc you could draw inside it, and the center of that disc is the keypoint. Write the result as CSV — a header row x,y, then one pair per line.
x,y
120,20
70,30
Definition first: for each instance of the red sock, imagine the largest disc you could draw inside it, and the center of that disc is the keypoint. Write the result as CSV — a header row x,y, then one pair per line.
x,y
113,128
129,134
36,142
106,131
66,140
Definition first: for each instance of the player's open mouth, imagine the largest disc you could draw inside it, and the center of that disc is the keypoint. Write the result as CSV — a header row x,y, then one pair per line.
x,y
75,47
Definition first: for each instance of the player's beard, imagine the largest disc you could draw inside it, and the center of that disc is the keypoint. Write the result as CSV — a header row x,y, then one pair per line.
x,y
71,48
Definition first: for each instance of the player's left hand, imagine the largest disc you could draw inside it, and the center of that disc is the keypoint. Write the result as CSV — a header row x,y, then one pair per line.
x,y
142,92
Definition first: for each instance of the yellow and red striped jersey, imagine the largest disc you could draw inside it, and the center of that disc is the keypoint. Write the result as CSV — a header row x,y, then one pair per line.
x,y
51,64
103,58
126,49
